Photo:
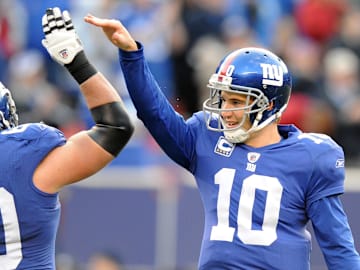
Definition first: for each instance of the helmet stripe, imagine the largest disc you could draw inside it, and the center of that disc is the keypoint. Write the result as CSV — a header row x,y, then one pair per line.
x,y
227,62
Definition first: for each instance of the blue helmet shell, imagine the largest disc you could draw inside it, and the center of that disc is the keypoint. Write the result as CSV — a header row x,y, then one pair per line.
x,y
260,69
8,115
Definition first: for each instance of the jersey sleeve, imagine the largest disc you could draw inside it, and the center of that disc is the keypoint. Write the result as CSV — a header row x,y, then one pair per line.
x,y
40,135
169,128
328,173
52,137
30,142
333,233
44,138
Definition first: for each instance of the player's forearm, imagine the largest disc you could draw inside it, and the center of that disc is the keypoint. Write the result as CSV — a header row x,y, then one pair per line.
x,y
113,128
154,110
95,88
98,91
143,88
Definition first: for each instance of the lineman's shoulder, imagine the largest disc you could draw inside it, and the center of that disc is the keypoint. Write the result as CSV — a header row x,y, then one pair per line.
x,y
34,131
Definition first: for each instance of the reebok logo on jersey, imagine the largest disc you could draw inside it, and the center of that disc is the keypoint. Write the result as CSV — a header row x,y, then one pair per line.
x,y
340,163
224,147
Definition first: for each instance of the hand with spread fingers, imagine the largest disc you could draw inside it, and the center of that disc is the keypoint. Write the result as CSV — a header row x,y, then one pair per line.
x,y
61,39
114,31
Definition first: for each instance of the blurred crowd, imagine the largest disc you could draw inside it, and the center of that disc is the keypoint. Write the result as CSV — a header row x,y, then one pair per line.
x,y
99,260
184,41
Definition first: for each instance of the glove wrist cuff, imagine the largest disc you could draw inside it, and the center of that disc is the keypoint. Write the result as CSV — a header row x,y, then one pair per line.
x,y
80,68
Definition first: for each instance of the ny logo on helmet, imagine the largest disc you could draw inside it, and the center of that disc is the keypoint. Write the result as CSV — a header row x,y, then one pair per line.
x,y
272,74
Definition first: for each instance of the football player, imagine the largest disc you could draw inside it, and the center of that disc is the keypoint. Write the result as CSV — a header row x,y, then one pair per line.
x,y
37,160
261,183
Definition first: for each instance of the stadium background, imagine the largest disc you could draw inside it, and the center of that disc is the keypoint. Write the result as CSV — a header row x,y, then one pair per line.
x,y
143,207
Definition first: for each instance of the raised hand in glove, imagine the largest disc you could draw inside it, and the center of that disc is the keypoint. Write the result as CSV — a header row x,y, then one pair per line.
x,y
64,45
61,39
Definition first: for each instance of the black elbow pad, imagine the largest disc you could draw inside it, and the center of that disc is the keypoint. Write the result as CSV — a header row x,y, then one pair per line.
x,y
113,127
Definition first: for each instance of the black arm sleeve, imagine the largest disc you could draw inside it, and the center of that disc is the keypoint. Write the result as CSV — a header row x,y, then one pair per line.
x,y
112,129
80,68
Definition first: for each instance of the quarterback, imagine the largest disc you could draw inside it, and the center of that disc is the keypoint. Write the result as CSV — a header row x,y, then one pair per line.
x,y
261,183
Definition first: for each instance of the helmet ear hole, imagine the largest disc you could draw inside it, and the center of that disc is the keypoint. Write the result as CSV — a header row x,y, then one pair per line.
x,y
271,106
263,102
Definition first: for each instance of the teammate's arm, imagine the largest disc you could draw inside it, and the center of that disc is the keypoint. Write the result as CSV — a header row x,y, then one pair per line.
x,y
88,151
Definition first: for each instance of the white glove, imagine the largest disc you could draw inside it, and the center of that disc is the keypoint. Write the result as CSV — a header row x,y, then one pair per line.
x,y
61,40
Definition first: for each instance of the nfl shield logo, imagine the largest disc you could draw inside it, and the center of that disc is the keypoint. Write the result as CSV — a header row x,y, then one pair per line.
x,y
253,157
64,53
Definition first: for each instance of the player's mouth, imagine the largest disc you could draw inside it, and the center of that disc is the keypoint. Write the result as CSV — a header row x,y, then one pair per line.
x,y
231,124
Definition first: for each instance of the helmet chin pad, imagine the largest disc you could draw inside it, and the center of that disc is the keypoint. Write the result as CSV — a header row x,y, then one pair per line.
x,y
238,135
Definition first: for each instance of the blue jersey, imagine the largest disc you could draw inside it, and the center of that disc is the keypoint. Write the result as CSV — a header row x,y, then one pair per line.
x,y
257,201
29,218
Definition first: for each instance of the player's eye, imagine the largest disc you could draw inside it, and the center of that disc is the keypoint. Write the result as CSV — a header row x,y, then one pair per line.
x,y
238,102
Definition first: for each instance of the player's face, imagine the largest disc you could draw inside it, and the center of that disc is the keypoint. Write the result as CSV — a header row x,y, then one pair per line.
x,y
234,104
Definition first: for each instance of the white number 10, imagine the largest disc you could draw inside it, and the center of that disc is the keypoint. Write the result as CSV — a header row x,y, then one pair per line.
x,y
264,237
13,255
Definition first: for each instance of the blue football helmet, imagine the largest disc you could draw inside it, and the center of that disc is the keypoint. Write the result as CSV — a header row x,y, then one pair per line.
x,y
258,74
8,115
